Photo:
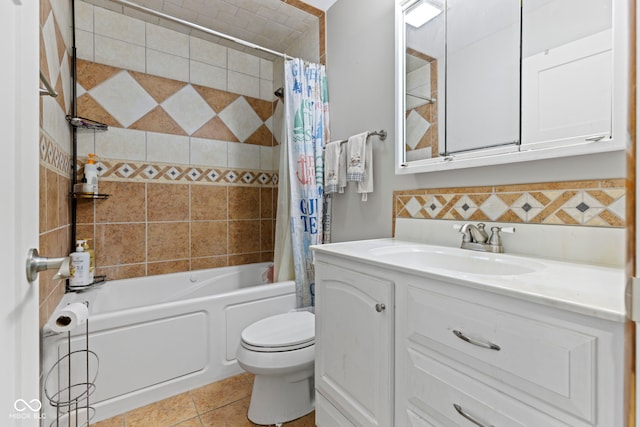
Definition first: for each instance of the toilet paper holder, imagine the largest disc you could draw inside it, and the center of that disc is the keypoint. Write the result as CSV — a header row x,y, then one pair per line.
x,y
36,264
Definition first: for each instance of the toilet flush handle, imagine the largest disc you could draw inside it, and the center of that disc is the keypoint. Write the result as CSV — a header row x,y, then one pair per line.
x,y
380,307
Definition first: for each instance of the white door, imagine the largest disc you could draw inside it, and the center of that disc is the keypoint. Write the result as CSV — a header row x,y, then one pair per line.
x,y
19,348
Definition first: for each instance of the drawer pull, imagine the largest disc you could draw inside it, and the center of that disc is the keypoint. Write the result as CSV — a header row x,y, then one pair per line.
x,y
460,411
380,307
489,345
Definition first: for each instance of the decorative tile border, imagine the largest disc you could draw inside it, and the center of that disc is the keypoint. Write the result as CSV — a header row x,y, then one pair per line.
x,y
599,203
118,170
52,155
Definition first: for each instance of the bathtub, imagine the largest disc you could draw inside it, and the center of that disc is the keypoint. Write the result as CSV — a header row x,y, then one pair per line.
x,y
158,336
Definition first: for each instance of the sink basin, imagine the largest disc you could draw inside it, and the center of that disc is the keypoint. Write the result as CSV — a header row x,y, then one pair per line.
x,y
459,260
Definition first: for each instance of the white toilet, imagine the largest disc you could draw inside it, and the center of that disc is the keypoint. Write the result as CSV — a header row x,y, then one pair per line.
x,y
279,350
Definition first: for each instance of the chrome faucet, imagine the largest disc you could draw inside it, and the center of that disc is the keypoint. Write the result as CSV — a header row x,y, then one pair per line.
x,y
475,238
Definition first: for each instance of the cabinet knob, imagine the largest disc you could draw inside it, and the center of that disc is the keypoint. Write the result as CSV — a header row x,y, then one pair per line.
x,y
380,307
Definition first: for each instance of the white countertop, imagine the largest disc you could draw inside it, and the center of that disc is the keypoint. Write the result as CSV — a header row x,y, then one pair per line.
x,y
587,289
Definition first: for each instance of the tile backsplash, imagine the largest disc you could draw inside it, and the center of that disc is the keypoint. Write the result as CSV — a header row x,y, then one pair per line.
x,y
599,203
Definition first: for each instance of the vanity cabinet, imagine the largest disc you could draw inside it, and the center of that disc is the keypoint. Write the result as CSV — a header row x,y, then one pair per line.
x,y
459,354
464,353
354,347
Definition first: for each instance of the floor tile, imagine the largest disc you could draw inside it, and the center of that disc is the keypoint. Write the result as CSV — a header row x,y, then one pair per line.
x,y
193,422
232,415
164,413
117,421
221,393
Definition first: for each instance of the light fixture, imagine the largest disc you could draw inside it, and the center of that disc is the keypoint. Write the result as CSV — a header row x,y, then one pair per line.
x,y
421,14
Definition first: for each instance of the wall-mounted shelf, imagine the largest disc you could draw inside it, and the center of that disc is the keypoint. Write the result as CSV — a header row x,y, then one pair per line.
x,y
83,123
80,195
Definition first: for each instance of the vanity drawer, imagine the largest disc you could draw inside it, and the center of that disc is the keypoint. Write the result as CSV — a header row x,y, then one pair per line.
x,y
435,391
520,354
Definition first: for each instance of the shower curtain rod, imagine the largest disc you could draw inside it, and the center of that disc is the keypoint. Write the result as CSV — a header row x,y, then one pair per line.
x,y
199,27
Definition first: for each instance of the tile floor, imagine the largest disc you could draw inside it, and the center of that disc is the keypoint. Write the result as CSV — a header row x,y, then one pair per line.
x,y
220,404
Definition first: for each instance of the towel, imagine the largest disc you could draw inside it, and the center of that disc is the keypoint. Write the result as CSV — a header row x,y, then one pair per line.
x,y
331,166
366,185
356,157
342,169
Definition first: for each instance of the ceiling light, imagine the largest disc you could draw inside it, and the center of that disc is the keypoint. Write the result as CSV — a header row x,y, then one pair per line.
x,y
421,14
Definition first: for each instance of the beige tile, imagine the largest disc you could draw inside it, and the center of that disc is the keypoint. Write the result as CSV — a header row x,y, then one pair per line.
x,y
244,236
52,200
267,207
126,202
166,267
232,415
122,271
193,422
208,202
266,234
209,262
244,203
43,199
117,421
208,238
117,244
244,259
64,201
164,413
221,393
168,241
168,202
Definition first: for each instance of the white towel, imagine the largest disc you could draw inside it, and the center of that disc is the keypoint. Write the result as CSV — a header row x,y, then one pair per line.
x,y
366,185
342,169
331,166
356,157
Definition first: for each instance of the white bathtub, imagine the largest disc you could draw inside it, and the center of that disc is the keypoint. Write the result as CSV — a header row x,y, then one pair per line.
x,y
158,336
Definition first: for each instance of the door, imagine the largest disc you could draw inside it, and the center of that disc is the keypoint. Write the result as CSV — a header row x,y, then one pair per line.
x,y
19,349
354,345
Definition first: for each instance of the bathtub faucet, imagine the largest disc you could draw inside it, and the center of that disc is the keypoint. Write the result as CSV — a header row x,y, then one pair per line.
x,y
36,264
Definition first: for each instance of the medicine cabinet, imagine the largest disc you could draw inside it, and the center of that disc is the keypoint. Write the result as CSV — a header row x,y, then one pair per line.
x,y
498,81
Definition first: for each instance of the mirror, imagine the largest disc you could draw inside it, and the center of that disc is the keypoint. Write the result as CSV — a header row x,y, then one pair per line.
x,y
500,81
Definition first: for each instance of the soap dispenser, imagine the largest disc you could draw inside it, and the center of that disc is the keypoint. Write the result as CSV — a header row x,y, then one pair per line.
x,y
80,266
91,173
92,259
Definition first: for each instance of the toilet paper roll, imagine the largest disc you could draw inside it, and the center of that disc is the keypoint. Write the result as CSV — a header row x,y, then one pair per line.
x,y
70,317
65,270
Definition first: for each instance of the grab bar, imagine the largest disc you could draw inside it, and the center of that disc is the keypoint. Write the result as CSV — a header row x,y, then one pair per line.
x,y
48,89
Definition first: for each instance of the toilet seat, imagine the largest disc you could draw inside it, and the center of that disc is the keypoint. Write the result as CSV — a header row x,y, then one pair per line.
x,y
282,332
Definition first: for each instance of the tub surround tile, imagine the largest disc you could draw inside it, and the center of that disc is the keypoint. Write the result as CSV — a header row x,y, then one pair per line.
x,y
167,241
209,262
244,259
53,199
117,244
122,271
119,26
119,53
126,202
209,238
220,393
209,53
267,227
244,236
207,75
118,143
166,267
208,151
244,203
208,202
167,202
267,208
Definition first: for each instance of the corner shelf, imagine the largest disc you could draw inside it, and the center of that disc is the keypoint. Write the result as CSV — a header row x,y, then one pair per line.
x,y
83,123
80,195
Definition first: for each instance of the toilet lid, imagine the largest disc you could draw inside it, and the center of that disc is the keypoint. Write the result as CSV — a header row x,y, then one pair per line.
x,y
290,330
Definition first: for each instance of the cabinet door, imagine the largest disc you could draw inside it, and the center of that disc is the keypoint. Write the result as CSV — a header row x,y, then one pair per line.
x,y
354,344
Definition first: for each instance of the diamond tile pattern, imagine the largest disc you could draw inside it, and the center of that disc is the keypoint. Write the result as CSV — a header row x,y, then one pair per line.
x,y
588,203
114,170
140,101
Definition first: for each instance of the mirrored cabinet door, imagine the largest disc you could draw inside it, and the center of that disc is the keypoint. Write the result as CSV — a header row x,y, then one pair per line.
x,y
483,75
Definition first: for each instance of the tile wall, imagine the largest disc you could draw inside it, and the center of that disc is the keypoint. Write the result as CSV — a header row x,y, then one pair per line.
x,y
597,203
422,118
55,147
190,157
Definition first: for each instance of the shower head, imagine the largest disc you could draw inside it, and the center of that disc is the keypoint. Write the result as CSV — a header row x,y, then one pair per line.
x,y
279,93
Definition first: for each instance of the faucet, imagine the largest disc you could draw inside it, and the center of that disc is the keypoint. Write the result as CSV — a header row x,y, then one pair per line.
x,y
475,238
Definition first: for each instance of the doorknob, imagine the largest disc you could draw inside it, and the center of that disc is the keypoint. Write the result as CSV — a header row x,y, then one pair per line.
x,y
380,307
36,264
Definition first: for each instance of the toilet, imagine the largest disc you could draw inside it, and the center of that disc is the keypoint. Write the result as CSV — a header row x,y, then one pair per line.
x,y
279,350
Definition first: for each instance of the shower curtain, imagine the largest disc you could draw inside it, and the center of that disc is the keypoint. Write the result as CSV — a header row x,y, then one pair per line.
x,y
307,130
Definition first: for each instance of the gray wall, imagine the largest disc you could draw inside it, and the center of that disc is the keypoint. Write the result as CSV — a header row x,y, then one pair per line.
x,y
360,68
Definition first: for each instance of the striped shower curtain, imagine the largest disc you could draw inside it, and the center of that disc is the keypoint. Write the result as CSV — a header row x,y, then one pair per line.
x,y
307,124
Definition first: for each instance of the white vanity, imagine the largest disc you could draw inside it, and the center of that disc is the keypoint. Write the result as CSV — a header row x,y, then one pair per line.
x,y
409,334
